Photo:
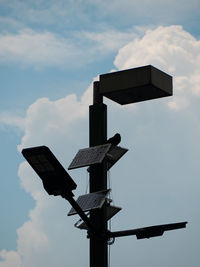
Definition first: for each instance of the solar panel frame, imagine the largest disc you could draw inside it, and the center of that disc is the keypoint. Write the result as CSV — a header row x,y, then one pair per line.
x,y
90,201
89,156
110,212
114,154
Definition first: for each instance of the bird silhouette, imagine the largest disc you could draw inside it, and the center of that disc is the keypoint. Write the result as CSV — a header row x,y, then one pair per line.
x,y
115,140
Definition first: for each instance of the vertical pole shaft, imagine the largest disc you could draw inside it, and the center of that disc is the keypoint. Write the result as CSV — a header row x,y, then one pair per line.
x,y
98,179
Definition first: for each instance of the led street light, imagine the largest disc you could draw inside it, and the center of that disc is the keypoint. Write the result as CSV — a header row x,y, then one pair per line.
x,y
56,180
148,232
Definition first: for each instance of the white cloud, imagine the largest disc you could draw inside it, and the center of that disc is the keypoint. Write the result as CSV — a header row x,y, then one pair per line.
x,y
56,124
46,49
163,155
9,258
174,51
170,47
61,14
37,49
8,23
62,114
10,119
157,6
109,40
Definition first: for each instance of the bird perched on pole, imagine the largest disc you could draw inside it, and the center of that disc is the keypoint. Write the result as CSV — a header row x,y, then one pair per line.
x,y
115,140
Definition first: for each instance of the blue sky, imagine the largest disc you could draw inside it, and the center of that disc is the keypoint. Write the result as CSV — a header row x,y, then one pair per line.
x,y
50,52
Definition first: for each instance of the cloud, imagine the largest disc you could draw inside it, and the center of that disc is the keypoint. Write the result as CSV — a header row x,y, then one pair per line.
x,y
174,51
49,123
46,13
109,40
10,24
9,258
10,119
39,50
62,114
60,14
164,8
158,180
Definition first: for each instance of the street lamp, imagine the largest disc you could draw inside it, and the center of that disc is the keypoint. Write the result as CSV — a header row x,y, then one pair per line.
x,y
150,231
135,85
56,180
124,87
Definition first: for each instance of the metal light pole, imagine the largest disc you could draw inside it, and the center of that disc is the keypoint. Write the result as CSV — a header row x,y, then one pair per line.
x,y
98,178
117,86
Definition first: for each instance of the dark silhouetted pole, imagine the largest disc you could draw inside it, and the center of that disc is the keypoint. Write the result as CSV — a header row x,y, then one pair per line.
x,y
123,87
98,179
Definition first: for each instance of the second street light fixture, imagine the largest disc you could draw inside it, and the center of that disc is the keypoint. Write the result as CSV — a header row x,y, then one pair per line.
x,y
135,85
123,87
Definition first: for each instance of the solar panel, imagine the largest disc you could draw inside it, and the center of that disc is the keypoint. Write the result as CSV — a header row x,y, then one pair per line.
x,y
89,156
90,201
110,212
114,154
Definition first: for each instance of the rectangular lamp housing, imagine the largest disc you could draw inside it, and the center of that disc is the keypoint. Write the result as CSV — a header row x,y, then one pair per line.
x,y
135,85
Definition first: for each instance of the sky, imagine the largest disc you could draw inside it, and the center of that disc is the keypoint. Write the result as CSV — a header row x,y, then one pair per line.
x,y
50,54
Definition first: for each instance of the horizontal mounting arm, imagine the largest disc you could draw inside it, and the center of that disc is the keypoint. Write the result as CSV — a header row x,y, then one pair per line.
x,y
148,232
